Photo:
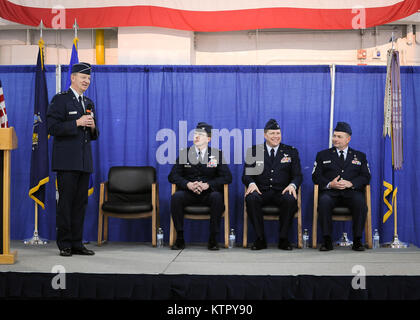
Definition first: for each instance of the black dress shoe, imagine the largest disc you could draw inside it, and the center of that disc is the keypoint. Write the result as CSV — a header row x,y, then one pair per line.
x,y
357,245
259,245
284,244
213,245
179,244
66,252
82,251
327,245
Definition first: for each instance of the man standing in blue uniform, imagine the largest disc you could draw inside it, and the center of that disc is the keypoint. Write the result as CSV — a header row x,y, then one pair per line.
x,y
199,174
342,174
272,175
72,123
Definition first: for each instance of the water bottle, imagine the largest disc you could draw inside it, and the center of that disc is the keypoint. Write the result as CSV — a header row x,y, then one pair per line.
x,y
376,244
232,238
305,238
160,238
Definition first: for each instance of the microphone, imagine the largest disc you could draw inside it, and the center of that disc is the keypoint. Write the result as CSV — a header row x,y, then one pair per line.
x,y
89,108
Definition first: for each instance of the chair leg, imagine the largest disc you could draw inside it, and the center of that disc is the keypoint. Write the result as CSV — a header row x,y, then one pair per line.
x,y
299,218
154,213
226,214
368,229
314,229
105,228
315,218
172,233
154,228
100,227
102,195
245,236
299,226
227,230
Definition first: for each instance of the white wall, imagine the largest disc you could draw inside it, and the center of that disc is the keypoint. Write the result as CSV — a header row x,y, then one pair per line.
x,y
148,45
289,47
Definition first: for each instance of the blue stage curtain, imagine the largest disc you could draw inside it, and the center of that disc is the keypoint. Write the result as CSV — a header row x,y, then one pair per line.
x,y
134,102
359,100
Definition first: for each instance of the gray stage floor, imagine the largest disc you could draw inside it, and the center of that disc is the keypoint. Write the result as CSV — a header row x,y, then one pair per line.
x,y
142,258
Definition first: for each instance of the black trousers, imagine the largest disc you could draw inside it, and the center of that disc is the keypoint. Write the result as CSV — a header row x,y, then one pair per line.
x,y
73,198
286,202
354,200
213,199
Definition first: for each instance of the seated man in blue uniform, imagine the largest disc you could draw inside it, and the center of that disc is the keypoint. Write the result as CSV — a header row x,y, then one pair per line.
x,y
199,174
272,175
342,174
71,122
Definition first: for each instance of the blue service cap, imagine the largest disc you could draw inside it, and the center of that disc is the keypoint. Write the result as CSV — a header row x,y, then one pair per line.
x,y
81,67
343,127
204,127
272,125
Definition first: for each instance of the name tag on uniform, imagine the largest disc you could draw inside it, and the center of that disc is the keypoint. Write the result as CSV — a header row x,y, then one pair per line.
x,y
259,162
286,160
327,161
187,165
212,162
73,112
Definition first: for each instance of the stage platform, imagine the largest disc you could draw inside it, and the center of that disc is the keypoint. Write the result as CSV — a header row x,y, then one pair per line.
x,y
139,271
195,259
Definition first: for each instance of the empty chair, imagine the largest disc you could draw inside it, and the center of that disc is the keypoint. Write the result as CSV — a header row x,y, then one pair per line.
x,y
130,193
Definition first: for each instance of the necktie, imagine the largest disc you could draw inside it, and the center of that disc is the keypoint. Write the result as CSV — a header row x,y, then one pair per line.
x,y
272,155
342,156
80,101
199,156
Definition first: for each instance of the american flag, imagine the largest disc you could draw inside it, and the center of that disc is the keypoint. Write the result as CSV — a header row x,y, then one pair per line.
x,y
3,113
209,15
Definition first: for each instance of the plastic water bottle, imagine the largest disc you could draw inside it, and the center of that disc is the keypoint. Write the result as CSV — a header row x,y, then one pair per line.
x,y
232,238
160,238
376,244
305,238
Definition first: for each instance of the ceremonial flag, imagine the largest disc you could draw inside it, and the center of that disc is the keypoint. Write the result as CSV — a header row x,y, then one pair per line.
x,y
39,173
392,133
3,114
73,60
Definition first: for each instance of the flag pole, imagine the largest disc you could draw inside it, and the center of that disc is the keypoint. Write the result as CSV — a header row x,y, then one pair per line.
x,y
36,240
392,127
395,218
75,27
396,243
36,218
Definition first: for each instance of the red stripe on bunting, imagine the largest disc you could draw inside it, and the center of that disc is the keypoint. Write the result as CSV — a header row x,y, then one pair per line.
x,y
209,20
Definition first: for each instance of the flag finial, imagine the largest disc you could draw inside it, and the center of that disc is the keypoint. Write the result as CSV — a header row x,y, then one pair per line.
x,y
41,28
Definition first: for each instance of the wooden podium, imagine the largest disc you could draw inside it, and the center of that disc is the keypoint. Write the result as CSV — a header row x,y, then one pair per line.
x,y
8,142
